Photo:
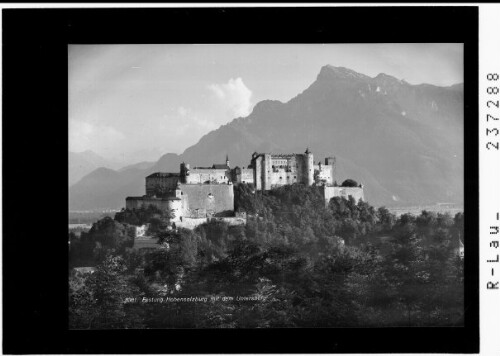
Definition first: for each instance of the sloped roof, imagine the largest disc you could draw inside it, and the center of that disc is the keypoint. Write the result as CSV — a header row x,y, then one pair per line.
x,y
163,175
220,166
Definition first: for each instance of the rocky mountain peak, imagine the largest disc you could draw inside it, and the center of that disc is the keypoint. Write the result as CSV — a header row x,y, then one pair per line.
x,y
330,72
389,79
266,106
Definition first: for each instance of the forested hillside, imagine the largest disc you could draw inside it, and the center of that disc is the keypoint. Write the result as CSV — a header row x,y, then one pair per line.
x,y
297,263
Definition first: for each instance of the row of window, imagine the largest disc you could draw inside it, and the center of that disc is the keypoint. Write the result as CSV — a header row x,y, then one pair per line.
x,y
211,177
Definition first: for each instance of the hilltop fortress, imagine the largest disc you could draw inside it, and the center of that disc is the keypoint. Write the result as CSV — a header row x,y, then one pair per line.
x,y
196,194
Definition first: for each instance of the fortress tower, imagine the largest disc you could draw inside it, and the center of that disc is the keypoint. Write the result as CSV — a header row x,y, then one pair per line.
x,y
184,172
174,205
309,167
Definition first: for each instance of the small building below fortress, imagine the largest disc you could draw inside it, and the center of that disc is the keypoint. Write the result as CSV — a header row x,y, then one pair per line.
x,y
330,192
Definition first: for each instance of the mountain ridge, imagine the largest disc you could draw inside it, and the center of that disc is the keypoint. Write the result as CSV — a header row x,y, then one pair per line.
x,y
82,163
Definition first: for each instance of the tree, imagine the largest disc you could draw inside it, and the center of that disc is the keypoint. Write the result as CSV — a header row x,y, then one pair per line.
x,y
347,264
98,302
111,234
386,219
316,176
128,216
349,183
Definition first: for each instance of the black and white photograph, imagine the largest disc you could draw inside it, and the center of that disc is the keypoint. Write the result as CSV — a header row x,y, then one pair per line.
x,y
249,178
266,185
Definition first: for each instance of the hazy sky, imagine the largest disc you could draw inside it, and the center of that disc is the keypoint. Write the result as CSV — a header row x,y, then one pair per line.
x,y
136,102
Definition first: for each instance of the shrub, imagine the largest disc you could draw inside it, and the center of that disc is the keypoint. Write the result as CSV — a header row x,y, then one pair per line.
x,y
349,183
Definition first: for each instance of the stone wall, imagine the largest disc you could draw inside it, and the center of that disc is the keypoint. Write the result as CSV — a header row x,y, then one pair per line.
x,y
196,201
205,175
244,175
309,172
284,170
213,198
257,169
267,168
330,192
231,221
190,223
275,170
165,204
325,173
166,181
176,207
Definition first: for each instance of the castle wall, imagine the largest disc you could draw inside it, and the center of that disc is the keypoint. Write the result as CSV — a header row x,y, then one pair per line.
x,y
284,169
166,181
309,173
245,176
212,198
191,223
282,177
139,202
325,173
206,175
257,173
301,169
175,207
267,171
330,192
133,202
231,221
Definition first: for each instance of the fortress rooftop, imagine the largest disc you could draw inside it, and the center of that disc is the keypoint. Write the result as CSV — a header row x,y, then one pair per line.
x,y
279,155
151,198
163,175
220,166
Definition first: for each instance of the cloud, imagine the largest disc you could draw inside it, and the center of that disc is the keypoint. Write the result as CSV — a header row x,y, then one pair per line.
x,y
84,135
182,111
234,97
190,119
180,128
